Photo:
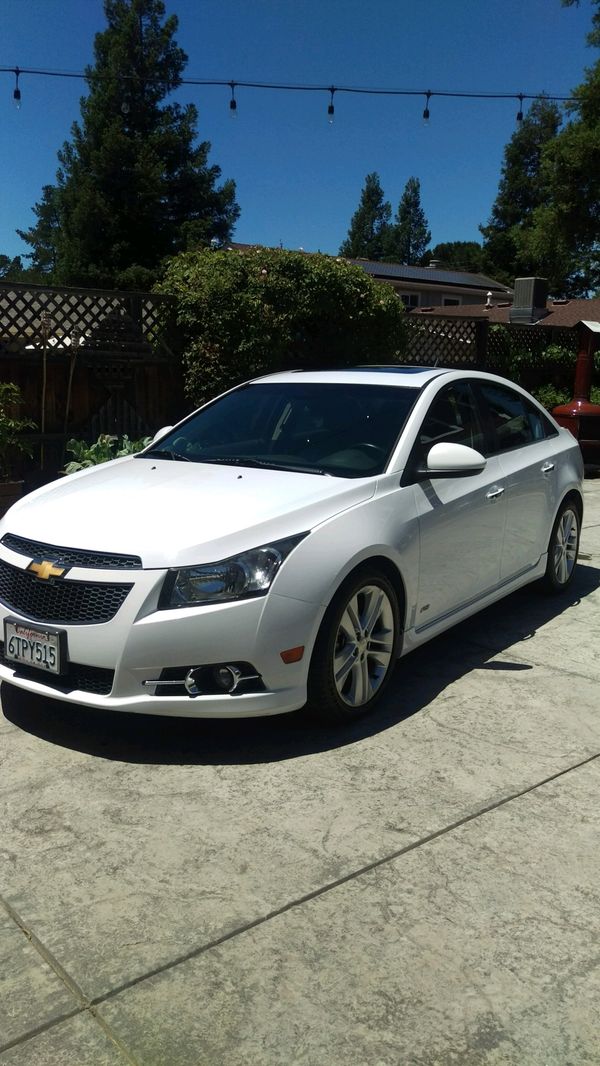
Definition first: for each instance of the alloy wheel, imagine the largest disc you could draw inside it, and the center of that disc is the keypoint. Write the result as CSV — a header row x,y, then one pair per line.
x,y
566,540
363,646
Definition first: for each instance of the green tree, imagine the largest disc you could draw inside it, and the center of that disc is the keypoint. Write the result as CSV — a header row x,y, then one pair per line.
x,y
133,186
11,269
409,236
593,36
43,238
252,312
369,224
458,255
564,237
521,190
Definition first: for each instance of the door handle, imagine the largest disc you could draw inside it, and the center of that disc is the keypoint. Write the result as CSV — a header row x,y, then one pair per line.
x,y
493,494
547,467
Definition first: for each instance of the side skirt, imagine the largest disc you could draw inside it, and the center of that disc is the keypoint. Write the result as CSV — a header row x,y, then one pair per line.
x,y
414,638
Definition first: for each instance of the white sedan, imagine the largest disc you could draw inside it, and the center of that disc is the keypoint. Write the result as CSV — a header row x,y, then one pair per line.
x,y
286,543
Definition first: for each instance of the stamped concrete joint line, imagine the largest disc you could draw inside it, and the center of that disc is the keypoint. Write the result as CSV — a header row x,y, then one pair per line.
x,y
84,1005
332,885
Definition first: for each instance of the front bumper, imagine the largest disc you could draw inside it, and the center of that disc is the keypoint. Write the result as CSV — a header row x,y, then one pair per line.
x,y
140,643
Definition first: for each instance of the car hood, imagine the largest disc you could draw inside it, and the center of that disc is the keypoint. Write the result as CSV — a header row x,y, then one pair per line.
x,y
178,514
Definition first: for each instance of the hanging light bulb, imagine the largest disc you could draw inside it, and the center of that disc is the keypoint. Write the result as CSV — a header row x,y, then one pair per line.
x,y
16,90
233,101
426,111
331,108
520,111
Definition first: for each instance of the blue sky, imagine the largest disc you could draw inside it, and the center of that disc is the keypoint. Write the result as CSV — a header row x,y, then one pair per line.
x,y
298,178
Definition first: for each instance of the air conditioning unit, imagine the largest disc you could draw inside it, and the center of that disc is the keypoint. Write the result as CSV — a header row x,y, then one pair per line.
x,y
529,300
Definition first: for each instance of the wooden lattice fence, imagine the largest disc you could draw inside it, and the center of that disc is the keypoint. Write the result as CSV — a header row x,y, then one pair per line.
x,y
107,321
452,342
109,357
528,339
475,342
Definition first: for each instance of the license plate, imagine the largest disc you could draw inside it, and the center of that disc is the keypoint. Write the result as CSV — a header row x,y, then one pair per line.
x,y
31,646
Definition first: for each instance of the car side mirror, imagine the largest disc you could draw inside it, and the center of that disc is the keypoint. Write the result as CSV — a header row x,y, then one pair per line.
x,y
452,460
160,433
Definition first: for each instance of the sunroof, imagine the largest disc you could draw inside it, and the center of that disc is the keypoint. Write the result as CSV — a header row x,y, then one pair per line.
x,y
394,369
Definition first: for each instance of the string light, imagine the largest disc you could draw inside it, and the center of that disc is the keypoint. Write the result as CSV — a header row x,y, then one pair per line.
x,y
16,90
283,87
331,108
426,111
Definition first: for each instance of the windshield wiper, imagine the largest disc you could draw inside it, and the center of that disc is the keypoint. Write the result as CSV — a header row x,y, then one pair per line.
x,y
265,464
164,453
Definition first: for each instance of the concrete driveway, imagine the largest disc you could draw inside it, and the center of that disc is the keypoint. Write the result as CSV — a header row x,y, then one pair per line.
x,y
423,889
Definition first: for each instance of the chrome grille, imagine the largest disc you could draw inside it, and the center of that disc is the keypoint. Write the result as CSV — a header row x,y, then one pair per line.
x,y
56,553
60,602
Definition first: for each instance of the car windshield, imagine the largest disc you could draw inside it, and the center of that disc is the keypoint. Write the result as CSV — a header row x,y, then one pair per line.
x,y
341,430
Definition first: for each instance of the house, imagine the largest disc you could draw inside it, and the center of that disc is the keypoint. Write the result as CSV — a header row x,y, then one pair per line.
x,y
529,307
430,287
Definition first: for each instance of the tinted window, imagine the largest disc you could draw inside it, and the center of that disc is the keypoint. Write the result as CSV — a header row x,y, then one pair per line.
x,y
515,421
347,430
454,417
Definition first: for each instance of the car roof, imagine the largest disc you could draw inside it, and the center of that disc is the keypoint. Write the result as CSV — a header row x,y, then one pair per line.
x,y
413,377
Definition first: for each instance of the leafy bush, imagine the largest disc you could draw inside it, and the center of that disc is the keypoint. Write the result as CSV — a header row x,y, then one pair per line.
x,y
547,370
251,312
530,360
11,427
101,451
550,396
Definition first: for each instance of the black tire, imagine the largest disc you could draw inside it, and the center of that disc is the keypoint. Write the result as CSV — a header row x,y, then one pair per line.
x,y
361,631
563,549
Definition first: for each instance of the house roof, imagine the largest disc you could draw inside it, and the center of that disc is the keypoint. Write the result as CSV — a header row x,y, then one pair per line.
x,y
564,313
431,276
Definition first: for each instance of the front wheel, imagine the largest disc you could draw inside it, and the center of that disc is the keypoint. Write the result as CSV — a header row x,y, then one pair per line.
x,y
356,648
563,549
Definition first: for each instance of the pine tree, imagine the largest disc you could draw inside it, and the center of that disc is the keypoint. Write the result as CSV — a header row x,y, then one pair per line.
x,y
11,269
132,187
44,236
370,223
409,237
521,190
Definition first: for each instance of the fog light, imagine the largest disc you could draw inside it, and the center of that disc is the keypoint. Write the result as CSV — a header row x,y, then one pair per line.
x,y
192,681
227,677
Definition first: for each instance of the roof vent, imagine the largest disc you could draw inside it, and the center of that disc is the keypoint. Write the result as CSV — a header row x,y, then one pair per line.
x,y
529,301
433,264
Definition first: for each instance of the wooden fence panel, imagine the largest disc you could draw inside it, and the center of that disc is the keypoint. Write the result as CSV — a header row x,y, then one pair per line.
x,y
452,342
126,375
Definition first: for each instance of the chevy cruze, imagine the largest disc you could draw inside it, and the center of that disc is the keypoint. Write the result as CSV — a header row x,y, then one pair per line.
x,y
286,543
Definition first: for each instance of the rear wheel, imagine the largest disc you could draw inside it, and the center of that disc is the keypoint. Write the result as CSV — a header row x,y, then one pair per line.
x,y
356,648
563,548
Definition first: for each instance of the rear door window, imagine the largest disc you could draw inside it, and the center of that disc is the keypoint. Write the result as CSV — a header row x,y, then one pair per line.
x,y
514,421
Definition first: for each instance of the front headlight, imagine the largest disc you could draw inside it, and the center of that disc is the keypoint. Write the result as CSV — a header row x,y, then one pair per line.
x,y
249,574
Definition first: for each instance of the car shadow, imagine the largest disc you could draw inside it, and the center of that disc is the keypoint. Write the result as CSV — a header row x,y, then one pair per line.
x,y
152,740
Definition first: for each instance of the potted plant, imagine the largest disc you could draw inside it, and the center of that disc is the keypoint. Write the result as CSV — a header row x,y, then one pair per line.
x,y
10,441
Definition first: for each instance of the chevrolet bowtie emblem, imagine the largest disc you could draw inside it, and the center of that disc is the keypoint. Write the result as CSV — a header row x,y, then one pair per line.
x,y
45,570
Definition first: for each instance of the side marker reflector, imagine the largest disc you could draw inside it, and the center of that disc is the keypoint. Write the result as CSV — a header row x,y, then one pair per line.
x,y
292,655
